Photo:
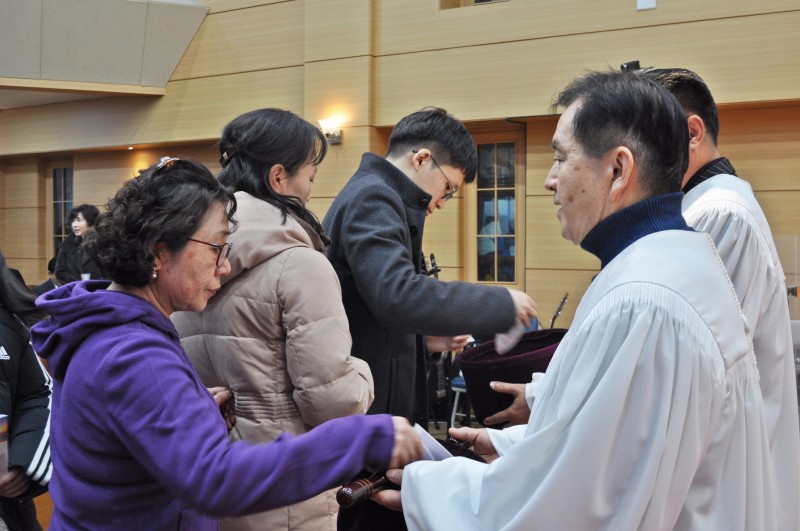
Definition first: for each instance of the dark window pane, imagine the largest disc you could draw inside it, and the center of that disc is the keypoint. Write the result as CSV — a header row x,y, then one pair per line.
x,y
486,166
506,166
486,259
58,185
486,209
506,260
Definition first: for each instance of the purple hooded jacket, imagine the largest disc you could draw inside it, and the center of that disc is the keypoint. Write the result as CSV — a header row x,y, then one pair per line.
x,y
138,442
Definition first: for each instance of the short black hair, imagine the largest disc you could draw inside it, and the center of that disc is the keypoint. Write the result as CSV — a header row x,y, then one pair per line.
x,y
165,203
89,213
692,92
626,109
446,137
257,140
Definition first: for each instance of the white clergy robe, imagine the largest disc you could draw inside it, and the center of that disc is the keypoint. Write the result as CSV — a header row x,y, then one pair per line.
x,y
649,416
724,206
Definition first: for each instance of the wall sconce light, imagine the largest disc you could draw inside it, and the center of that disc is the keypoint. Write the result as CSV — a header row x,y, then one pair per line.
x,y
332,130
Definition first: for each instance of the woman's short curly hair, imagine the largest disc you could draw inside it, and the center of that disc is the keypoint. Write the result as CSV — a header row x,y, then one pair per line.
x,y
166,203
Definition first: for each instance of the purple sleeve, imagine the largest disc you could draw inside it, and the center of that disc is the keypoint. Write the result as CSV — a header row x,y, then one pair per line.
x,y
170,424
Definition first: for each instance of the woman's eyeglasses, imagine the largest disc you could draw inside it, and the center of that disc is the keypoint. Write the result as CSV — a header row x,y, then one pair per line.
x,y
223,250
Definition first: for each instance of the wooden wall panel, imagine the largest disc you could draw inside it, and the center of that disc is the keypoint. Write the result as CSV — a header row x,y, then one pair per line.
x,y
21,223
339,88
539,154
547,287
520,78
342,161
399,24
268,36
544,246
98,176
21,184
782,210
334,30
763,145
191,110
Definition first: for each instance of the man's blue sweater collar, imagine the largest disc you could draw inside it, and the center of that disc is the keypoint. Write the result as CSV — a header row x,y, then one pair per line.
x,y
615,233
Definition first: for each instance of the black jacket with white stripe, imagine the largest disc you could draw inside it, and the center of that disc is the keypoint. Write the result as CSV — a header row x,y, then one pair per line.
x,y
25,396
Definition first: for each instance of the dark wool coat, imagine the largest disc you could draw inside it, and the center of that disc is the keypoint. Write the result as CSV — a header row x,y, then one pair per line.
x,y
72,262
375,225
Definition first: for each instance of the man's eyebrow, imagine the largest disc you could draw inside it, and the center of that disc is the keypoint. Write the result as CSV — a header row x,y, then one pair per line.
x,y
554,143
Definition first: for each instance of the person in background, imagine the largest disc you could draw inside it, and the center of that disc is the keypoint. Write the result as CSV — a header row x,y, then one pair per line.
x,y
276,334
25,390
51,282
650,414
72,262
397,314
718,202
138,440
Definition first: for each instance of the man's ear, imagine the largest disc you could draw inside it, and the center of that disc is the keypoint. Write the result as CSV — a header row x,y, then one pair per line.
x,y
697,131
623,172
277,176
418,157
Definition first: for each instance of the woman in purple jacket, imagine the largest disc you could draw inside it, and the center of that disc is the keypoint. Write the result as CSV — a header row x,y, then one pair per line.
x,y
137,440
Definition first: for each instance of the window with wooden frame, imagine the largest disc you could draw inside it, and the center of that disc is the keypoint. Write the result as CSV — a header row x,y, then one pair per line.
x,y
495,211
58,186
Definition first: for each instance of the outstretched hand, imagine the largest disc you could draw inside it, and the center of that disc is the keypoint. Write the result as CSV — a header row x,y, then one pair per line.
x,y
518,412
391,498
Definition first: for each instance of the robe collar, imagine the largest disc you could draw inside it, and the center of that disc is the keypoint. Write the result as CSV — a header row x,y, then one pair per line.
x,y
715,167
616,232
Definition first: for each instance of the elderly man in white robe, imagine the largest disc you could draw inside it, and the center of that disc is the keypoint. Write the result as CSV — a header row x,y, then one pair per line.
x,y
650,415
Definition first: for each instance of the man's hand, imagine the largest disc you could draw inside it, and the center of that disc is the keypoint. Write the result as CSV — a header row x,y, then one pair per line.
x,y
518,412
224,400
13,483
479,439
524,305
390,498
446,344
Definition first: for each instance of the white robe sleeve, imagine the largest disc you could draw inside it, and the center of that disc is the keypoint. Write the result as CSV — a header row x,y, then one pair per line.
x,y
622,398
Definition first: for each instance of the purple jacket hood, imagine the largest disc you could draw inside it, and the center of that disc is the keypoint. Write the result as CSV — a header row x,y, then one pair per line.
x,y
78,309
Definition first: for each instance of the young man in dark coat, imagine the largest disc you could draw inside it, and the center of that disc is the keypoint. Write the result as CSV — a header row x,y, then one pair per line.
x,y
396,312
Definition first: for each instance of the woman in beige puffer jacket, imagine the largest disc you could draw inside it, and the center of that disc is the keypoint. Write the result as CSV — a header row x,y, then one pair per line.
x,y
277,334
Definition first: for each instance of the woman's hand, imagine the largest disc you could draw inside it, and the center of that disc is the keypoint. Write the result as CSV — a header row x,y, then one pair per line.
x,y
407,444
226,403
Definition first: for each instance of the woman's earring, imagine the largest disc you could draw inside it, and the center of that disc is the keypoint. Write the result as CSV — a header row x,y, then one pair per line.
x,y
155,273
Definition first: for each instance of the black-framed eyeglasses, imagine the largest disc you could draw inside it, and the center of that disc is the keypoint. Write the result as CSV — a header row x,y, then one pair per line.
x,y
451,190
223,250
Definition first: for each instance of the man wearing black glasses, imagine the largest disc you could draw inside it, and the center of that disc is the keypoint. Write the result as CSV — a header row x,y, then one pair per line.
x,y
396,312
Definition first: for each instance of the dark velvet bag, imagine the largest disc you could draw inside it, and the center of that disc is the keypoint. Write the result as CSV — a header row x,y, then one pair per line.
x,y
482,364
